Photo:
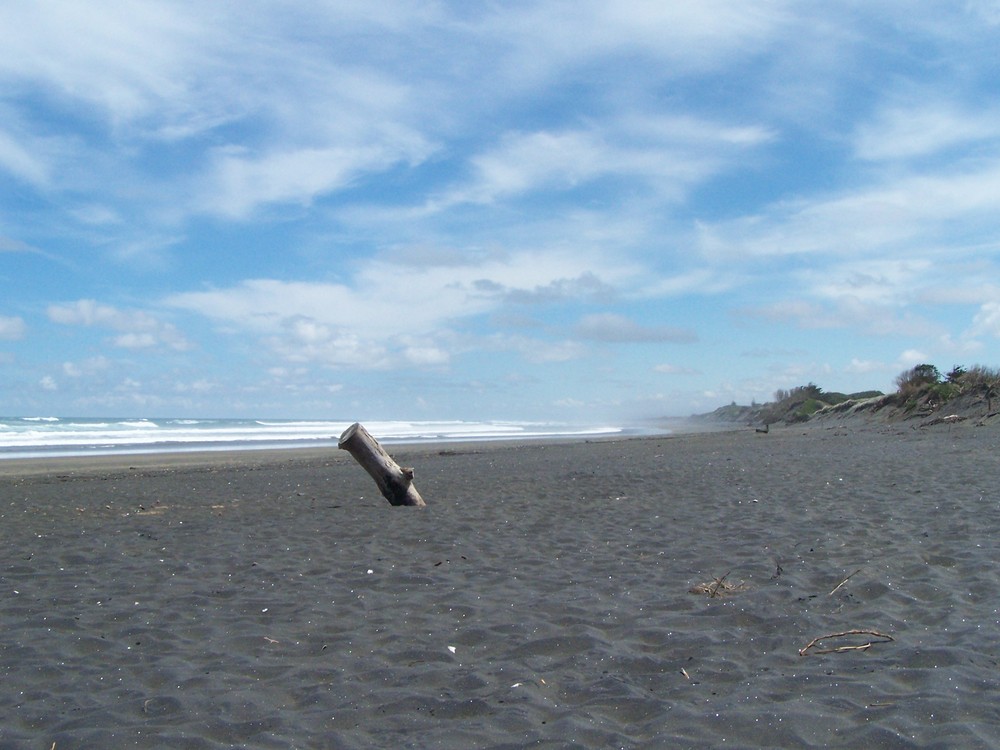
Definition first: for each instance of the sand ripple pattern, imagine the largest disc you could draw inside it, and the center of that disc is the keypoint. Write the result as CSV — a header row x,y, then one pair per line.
x,y
541,600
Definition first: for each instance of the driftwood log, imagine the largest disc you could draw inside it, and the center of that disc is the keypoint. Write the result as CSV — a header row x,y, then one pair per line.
x,y
395,484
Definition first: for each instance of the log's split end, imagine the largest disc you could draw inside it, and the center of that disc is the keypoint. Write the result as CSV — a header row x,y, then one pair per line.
x,y
395,484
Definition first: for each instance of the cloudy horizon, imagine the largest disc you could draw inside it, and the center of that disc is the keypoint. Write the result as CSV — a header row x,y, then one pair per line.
x,y
526,210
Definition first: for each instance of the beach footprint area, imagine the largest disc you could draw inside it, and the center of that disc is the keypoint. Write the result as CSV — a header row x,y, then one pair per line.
x,y
688,591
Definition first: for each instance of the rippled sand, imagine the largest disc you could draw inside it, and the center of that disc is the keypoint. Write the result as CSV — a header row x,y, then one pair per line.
x,y
543,599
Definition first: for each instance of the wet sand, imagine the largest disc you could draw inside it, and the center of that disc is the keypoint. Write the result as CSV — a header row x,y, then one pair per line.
x,y
542,599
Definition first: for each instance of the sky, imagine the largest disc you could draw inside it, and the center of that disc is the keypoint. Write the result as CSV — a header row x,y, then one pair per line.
x,y
563,210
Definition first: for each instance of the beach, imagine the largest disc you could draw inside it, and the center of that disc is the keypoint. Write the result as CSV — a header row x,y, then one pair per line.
x,y
637,593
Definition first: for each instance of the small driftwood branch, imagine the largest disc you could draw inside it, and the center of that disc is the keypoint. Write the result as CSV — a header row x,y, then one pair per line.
x,y
718,582
844,581
395,483
718,587
841,649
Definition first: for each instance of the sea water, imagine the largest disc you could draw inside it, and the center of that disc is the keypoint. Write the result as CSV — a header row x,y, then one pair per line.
x,y
27,437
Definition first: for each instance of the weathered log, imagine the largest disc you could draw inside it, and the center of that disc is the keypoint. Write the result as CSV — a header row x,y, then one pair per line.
x,y
395,483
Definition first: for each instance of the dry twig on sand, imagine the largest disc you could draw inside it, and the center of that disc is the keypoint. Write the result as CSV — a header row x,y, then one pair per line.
x,y
844,581
841,649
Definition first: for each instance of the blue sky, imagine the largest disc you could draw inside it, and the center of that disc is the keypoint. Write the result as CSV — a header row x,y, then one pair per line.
x,y
567,210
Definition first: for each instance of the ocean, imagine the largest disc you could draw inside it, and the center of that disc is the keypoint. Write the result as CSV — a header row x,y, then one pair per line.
x,y
34,437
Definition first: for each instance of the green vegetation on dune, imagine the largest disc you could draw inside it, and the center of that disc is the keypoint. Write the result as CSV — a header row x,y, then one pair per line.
x,y
923,389
921,392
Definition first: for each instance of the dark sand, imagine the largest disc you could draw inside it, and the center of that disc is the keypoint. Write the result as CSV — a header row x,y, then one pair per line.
x,y
275,600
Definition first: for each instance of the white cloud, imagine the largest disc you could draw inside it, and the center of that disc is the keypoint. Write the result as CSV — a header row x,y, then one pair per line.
x,y
12,328
694,132
48,383
908,131
614,328
911,357
539,351
531,161
872,282
707,280
138,329
907,216
95,214
864,366
669,369
988,10
239,182
808,314
83,312
866,318
148,251
19,161
314,312
144,340
199,386
89,366
306,112
372,322
681,37
967,286
426,356
126,59
302,340
10,245
668,153
987,321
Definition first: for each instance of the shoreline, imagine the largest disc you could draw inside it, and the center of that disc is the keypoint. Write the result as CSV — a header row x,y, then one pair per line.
x,y
26,438
241,456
